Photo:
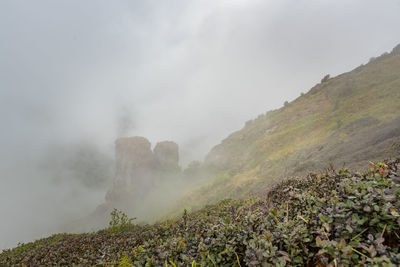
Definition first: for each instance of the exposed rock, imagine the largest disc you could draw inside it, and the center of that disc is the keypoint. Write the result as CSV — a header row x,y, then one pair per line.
x,y
167,155
138,169
133,159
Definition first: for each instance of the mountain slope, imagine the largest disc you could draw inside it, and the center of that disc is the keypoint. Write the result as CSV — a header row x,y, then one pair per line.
x,y
349,119
335,217
332,219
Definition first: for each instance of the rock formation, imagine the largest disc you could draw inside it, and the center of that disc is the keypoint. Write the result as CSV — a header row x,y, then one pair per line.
x,y
138,168
167,155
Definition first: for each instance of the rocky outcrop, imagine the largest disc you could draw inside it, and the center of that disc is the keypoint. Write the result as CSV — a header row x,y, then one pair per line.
x,y
138,169
133,159
166,154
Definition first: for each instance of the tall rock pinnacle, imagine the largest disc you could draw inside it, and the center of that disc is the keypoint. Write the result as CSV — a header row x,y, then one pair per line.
x,y
138,169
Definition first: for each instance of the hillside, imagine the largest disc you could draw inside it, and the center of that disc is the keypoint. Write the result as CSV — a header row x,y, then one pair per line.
x,y
346,120
336,218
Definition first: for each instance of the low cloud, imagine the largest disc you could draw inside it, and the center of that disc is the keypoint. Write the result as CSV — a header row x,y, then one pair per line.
x,y
79,74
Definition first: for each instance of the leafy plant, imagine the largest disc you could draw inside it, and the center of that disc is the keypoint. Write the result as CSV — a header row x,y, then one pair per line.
x,y
119,221
125,262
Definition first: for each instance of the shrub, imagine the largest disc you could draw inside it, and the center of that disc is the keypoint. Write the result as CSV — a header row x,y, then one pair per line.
x,y
119,221
326,78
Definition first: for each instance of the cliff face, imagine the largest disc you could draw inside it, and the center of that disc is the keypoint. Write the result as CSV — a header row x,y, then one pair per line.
x,y
134,159
166,154
138,168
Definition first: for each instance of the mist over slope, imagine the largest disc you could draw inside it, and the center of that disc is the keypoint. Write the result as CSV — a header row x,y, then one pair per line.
x,y
75,71
346,120
335,218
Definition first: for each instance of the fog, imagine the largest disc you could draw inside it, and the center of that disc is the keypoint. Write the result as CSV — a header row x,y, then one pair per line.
x,y
76,75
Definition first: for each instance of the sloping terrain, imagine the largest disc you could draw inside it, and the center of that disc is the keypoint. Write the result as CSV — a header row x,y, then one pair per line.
x,y
347,120
336,218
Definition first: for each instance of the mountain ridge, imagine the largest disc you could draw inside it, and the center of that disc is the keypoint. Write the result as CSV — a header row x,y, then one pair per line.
x,y
347,120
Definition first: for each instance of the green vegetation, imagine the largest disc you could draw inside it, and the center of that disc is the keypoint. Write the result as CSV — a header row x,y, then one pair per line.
x,y
119,221
125,262
349,119
336,217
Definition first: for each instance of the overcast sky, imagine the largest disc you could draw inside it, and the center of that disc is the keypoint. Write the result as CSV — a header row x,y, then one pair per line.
x,y
187,71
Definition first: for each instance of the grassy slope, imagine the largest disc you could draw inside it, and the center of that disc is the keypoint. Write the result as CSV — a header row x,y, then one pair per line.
x,y
338,218
351,119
